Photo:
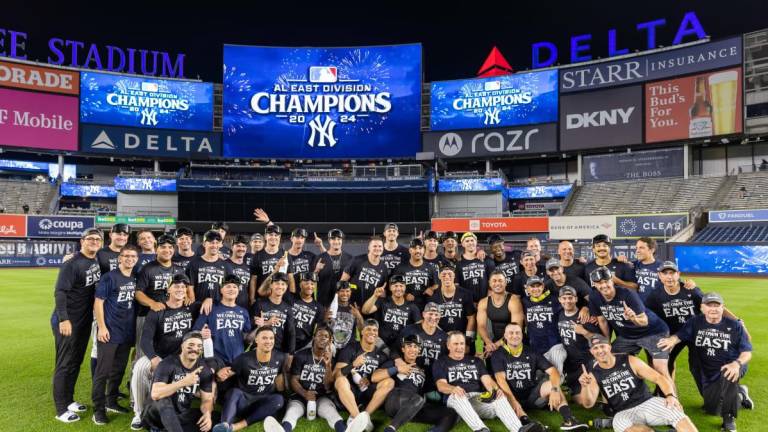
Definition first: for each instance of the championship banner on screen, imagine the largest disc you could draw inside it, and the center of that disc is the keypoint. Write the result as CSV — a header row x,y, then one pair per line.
x,y
34,253
510,100
338,103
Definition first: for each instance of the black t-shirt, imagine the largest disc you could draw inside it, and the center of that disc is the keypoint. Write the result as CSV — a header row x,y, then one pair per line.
x,y
465,373
414,381
243,272
582,289
144,259
394,258
623,271
510,266
264,263
254,377
675,309
75,287
300,263
436,262
576,270
153,280
432,345
620,385
334,266
170,370
224,251
417,280
285,330
575,345
107,259
309,371
473,275
306,316
541,322
366,277
207,277
373,359
454,311
613,312
164,330
181,260
520,371
394,318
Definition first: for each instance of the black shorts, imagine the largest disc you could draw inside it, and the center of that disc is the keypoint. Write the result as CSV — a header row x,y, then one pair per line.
x,y
363,397
531,398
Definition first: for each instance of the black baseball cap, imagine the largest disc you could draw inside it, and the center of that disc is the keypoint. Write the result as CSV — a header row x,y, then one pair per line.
x,y
370,322
241,239
448,266
231,278
308,276
92,231
180,278
182,231
166,239
340,285
534,280
391,226
712,297
121,228
495,238
527,254
257,236
430,235
601,274
299,232
411,339
567,289
668,265
450,235
273,229
396,278
220,225
601,238
335,233
417,242
280,276
598,339
212,236
552,263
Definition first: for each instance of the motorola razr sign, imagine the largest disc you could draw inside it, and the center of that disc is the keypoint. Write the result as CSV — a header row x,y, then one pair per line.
x,y
534,139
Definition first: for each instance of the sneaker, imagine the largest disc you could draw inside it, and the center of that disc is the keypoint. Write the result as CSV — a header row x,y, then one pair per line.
x,y
573,424
272,425
76,407
116,408
359,423
729,424
222,427
100,418
136,423
68,417
746,401
533,426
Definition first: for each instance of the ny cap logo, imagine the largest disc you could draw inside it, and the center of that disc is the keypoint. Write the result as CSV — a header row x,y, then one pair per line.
x,y
322,131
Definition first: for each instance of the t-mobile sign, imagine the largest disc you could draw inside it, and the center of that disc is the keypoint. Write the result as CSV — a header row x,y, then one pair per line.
x,y
38,120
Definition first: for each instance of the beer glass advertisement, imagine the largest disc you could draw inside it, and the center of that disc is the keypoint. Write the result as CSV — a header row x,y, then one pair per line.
x,y
697,106
320,103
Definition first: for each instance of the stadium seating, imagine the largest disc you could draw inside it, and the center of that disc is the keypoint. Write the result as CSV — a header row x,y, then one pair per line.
x,y
753,195
731,234
644,196
37,195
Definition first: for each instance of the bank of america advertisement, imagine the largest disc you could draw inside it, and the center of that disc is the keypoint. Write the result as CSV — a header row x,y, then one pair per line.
x,y
519,99
122,100
322,102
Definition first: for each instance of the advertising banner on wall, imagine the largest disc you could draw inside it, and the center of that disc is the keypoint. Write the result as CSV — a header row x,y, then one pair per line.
x,y
581,227
38,120
733,259
697,106
650,225
607,118
13,225
495,225
322,102
723,216
124,100
149,142
538,139
510,100
663,64
58,226
634,165
34,253
38,78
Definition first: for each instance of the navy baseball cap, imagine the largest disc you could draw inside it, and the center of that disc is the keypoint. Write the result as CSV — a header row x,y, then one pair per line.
x,y
553,262
601,274
180,278
335,233
308,276
241,239
391,226
668,265
299,232
601,238
712,297
220,225
417,242
534,280
430,235
598,339
273,229
166,239
121,228
212,236
183,231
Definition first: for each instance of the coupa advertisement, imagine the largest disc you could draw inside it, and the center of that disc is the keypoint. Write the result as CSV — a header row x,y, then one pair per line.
x,y
322,102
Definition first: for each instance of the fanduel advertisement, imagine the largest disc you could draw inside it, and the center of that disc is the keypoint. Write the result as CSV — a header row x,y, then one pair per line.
x,y
322,102
664,64
608,118
519,99
536,139
58,226
149,142
633,166
150,103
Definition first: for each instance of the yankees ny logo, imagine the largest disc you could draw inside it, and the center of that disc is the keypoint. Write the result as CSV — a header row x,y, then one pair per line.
x,y
149,117
323,131
492,116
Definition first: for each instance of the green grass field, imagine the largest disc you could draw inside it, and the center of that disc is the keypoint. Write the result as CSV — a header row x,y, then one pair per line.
x,y
26,363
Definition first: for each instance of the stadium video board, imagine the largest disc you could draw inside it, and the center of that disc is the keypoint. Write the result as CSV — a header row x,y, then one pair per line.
x,y
319,103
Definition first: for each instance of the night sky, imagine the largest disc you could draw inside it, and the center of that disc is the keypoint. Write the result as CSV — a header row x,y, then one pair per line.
x,y
455,41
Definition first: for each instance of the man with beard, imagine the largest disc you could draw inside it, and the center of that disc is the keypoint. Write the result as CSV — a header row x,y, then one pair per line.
x,y
348,318
241,269
224,251
275,311
451,247
420,277
472,272
146,241
571,266
394,313
184,253
207,273
518,370
559,278
530,269
307,312
270,259
394,253
509,263
355,365
329,267
541,311
311,378
464,379
623,273
496,311
646,267
178,380
162,337
71,321
260,381
721,350
367,272
299,259
619,378
406,402
457,310
431,256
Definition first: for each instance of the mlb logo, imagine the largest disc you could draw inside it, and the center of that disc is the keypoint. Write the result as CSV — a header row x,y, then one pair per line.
x,y
474,225
149,87
493,85
323,74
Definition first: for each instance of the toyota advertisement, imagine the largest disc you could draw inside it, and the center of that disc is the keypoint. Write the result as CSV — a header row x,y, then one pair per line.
x,y
518,99
335,103
538,139
38,120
